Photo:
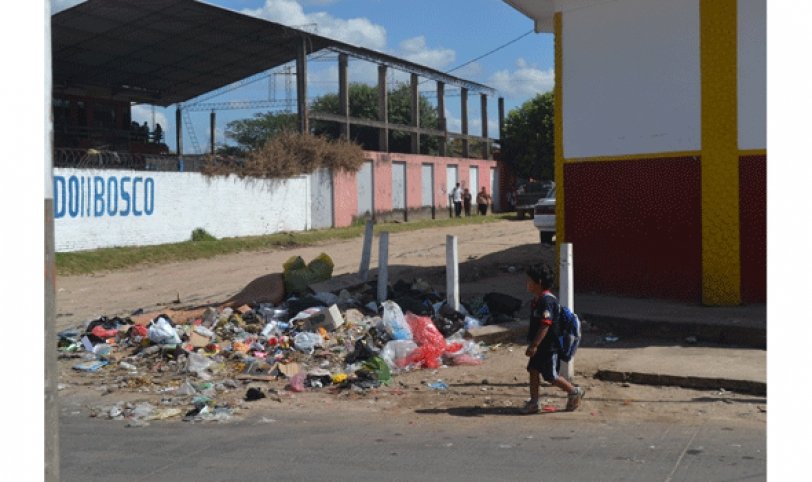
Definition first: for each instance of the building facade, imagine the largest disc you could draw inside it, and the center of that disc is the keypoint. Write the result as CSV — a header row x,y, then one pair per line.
x,y
661,145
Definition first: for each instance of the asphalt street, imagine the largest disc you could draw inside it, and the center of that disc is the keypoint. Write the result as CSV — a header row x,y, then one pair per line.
x,y
290,445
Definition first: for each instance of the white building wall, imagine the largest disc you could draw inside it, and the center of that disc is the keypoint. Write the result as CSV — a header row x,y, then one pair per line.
x,y
751,40
631,77
169,206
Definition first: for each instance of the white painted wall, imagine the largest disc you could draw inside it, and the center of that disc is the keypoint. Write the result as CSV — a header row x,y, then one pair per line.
x,y
752,79
631,78
171,206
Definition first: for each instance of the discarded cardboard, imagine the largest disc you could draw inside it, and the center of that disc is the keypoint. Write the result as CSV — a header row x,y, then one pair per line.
x,y
289,369
349,281
198,341
328,318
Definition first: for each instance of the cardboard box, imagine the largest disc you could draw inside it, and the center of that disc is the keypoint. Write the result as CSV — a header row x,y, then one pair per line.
x,y
329,318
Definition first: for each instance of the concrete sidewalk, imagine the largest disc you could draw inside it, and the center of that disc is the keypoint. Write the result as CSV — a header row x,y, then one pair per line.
x,y
729,351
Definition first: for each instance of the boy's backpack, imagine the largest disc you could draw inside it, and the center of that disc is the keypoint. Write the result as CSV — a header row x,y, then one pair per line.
x,y
569,332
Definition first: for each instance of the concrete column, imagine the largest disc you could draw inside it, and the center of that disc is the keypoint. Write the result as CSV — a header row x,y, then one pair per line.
x,y
301,84
501,117
464,115
441,117
415,111
179,131
566,296
383,267
344,95
452,272
366,253
49,343
484,108
213,130
383,110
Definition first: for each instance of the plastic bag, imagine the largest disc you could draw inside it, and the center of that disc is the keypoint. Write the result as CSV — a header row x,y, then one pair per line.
x,y
161,332
198,365
471,322
307,342
466,359
394,323
395,350
298,275
380,368
297,382
431,344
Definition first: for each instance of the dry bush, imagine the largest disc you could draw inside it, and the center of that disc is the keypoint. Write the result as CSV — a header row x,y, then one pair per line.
x,y
291,154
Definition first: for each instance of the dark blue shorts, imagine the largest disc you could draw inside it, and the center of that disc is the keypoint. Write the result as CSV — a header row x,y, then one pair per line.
x,y
547,363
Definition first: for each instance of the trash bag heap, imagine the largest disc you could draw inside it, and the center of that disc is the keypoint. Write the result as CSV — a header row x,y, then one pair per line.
x,y
306,340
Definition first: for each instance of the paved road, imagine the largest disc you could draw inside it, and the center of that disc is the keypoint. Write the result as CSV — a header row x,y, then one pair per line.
x,y
310,446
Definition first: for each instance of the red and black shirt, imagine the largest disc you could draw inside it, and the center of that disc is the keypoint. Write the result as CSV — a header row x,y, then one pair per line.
x,y
544,311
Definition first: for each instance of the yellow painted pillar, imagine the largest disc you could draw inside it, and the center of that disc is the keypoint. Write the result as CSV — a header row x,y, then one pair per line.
x,y
721,266
558,138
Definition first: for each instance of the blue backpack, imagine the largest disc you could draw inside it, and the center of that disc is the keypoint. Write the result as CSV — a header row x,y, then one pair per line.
x,y
569,332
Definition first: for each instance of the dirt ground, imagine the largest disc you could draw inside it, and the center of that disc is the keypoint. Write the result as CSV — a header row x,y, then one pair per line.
x,y
491,258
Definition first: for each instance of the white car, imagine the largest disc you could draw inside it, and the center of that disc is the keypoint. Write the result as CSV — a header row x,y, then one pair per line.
x,y
544,217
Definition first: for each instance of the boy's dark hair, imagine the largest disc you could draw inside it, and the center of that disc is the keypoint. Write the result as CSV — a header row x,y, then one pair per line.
x,y
541,274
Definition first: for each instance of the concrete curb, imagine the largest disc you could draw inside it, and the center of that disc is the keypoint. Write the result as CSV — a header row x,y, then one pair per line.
x,y
740,386
493,334
709,333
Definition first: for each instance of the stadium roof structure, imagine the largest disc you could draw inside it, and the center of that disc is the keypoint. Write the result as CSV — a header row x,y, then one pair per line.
x,y
165,52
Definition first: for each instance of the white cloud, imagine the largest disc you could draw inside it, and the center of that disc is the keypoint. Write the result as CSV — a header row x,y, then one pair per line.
x,y
319,2
59,5
355,31
526,81
415,50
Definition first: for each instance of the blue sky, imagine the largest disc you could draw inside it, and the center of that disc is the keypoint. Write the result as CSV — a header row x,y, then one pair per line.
x,y
442,34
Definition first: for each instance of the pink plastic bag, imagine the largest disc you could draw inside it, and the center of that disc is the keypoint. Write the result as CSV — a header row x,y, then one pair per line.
x,y
430,343
466,359
297,382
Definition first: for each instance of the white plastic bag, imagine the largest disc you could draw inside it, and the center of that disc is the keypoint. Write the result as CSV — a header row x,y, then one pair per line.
x,y
394,323
198,365
471,322
307,342
396,349
161,332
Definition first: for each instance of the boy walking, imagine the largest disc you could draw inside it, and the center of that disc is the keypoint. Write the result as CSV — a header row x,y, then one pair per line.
x,y
543,344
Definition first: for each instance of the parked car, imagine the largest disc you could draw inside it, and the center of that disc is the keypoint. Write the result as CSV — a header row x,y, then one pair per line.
x,y
544,217
529,195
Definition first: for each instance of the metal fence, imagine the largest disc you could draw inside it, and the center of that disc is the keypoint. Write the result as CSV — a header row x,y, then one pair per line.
x,y
104,159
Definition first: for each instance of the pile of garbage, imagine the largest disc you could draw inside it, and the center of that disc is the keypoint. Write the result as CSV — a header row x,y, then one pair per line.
x,y
309,340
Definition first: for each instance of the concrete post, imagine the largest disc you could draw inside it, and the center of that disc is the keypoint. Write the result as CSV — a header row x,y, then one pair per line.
x,y
452,272
344,95
49,345
179,131
301,84
366,254
213,130
383,267
484,109
415,112
464,120
501,118
383,110
441,117
566,296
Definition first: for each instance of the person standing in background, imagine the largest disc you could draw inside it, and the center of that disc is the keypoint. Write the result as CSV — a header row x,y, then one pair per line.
x,y
466,202
482,201
456,198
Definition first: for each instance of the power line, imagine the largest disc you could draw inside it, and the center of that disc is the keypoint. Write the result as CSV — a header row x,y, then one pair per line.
x,y
492,51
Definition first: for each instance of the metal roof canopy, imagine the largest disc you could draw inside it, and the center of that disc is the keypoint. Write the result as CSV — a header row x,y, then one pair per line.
x,y
163,52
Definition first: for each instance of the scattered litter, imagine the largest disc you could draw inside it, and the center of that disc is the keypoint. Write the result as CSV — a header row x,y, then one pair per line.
x,y
611,338
438,386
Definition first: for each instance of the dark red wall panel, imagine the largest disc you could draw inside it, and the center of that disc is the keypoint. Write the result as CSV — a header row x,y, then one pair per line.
x,y
636,227
753,222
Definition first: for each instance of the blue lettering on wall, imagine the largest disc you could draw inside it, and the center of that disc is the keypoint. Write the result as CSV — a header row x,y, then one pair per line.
x,y
135,191
73,196
149,196
112,196
98,196
125,196
59,195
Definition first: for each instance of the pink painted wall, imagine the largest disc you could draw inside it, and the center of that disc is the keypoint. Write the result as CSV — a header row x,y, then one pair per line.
x,y
345,186
345,198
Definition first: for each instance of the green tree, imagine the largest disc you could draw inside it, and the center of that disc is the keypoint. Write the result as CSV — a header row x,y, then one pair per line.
x,y
528,146
250,134
363,101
